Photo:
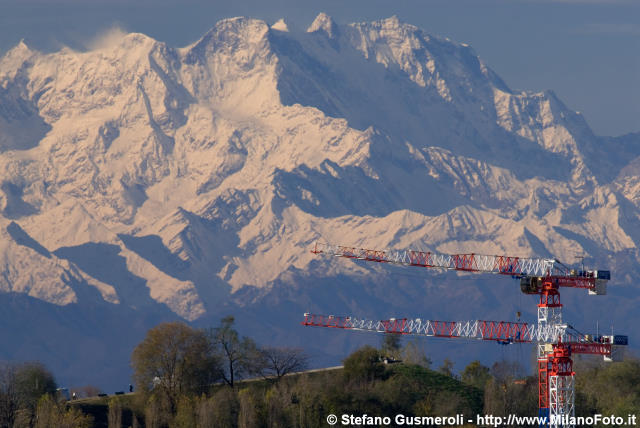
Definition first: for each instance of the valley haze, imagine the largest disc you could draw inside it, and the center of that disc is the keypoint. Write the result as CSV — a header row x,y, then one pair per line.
x,y
143,183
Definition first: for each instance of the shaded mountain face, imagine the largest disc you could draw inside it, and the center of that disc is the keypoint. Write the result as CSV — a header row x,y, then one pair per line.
x,y
157,183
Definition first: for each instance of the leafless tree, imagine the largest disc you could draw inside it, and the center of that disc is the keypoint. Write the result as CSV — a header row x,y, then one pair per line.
x,y
237,353
280,361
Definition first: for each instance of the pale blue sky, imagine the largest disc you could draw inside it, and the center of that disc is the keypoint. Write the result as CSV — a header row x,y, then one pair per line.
x,y
587,51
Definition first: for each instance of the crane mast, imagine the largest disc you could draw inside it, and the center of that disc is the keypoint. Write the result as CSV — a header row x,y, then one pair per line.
x,y
555,340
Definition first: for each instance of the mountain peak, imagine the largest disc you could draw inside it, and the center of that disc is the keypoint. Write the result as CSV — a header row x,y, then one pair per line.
x,y
136,39
241,24
116,39
393,24
16,56
323,23
280,25
21,47
391,21
230,34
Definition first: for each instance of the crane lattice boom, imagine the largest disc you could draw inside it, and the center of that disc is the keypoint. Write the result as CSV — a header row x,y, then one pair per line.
x,y
506,265
500,331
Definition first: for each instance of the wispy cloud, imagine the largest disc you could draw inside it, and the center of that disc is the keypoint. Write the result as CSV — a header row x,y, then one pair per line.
x,y
108,38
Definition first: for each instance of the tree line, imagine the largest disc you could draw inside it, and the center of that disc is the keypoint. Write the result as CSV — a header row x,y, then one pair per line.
x,y
187,377
175,362
394,378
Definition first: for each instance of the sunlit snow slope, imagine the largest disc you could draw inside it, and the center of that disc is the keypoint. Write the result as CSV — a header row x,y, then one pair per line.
x,y
142,182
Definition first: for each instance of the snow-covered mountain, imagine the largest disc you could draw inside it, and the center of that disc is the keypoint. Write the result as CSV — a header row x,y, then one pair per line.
x,y
142,182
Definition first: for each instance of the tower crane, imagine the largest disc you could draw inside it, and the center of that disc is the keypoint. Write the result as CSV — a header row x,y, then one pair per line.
x,y
556,341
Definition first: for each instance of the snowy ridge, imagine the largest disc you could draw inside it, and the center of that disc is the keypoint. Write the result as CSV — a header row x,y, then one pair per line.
x,y
202,170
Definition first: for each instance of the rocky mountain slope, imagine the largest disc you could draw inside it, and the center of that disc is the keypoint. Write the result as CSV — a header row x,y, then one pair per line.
x,y
143,182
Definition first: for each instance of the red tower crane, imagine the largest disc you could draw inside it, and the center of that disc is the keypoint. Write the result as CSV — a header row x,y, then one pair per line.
x,y
556,341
